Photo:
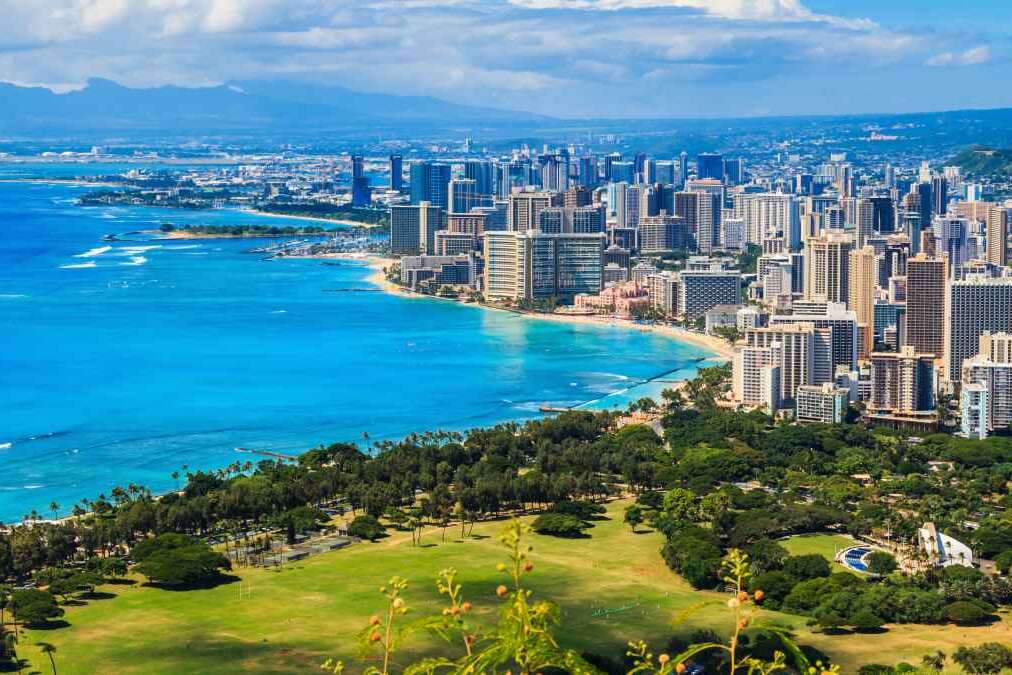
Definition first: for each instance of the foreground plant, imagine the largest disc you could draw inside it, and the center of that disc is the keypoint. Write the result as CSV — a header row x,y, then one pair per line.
x,y
745,610
522,640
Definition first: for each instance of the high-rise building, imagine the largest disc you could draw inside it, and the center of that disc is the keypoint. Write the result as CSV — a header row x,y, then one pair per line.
x,y
683,167
751,369
662,233
464,196
734,171
825,403
864,221
952,238
997,230
430,183
883,214
861,279
525,207
797,363
396,172
567,219
705,289
903,389
361,195
828,264
710,165
976,305
413,228
482,173
687,208
841,344
939,195
770,215
925,316
528,265
986,390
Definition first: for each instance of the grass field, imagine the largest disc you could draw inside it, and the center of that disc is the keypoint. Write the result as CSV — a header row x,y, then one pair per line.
x,y
289,621
825,545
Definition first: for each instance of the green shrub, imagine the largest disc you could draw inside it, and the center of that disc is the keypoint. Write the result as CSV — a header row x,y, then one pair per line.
x,y
366,527
803,567
559,525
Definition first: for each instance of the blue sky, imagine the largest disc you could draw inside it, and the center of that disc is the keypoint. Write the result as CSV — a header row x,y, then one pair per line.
x,y
571,58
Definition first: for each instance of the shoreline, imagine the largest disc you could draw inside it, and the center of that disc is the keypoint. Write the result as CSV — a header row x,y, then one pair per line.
x,y
723,352
314,219
186,235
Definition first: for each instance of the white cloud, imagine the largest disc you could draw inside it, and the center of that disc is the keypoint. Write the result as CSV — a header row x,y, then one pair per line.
x,y
518,53
970,57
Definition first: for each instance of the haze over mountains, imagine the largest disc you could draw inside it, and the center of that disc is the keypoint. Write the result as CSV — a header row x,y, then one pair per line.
x,y
279,112
105,106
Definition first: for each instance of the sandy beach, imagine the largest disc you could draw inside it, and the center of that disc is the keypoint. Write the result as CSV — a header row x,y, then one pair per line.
x,y
724,352
314,219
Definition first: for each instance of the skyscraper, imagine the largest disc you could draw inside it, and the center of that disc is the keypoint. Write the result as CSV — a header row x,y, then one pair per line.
x,y
526,266
926,279
987,383
710,165
861,296
976,305
997,229
430,183
360,193
396,172
903,389
828,265
525,206
413,228
464,195
480,171
939,195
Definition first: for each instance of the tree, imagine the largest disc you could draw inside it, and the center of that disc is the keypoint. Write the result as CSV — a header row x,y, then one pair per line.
x,y
680,504
881,563
934,661
634,515
49,649
33,607
809,566
990,657
966,613
865,620
366,527
178,561
775,584
559,525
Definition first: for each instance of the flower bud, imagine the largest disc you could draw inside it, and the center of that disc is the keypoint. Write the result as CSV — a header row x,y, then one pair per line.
x,y
502,591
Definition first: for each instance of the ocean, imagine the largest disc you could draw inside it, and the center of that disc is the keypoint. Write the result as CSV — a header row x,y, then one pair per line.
x,y
122,362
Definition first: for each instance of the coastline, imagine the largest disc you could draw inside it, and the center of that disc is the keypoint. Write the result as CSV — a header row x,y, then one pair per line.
x,y
185,235
314,219
723,352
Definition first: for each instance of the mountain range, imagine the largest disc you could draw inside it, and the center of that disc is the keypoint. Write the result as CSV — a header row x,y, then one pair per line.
x,y
235,107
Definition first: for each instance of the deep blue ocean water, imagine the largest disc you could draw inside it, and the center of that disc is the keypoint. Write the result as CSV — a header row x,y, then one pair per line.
x,y
121,362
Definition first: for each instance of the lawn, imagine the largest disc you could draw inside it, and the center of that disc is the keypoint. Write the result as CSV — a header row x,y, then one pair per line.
x,y
825,545
291,620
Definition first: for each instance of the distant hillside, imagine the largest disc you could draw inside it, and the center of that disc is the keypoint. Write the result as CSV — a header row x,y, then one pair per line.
x,y
984,161
242,107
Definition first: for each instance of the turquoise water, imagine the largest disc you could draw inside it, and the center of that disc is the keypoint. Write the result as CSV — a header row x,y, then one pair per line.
x,y
121,362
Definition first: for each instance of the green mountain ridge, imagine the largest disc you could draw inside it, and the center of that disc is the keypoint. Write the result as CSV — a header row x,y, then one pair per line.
x,y
982,160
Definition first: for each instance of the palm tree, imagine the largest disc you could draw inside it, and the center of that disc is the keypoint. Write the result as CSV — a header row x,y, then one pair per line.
x,y
49,649
55,508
